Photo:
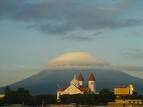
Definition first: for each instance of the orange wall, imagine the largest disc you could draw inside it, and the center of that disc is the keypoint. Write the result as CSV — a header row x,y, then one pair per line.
x,y
121,91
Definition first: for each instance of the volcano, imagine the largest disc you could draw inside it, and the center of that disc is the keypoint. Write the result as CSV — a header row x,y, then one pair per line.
x,y
61,70
48,81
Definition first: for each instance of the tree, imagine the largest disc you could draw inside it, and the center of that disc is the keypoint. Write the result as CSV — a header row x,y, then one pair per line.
x,y
8,91
23,95
18,96
9,94
106,96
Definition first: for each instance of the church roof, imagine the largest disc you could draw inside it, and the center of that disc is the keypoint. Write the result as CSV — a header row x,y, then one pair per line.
x,y
91,77
81,88
80,77
84,89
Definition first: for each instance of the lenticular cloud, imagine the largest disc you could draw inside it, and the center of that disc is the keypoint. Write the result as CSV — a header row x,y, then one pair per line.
x,y
76,59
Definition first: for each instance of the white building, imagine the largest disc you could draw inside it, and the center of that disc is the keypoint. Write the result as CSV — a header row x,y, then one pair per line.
x,y
76,86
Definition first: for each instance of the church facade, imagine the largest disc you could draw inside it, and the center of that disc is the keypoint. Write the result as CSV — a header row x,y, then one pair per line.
x,y
77,86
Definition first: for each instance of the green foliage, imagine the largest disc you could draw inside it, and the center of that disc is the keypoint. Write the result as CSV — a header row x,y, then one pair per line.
x,y
106,96
79,99
18,96
22,95
90,99
44,99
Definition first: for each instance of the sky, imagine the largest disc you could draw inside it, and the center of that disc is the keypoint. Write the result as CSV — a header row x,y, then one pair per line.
x,y
33,32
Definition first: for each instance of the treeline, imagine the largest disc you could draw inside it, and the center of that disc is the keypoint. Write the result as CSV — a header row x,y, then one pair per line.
x,y
102,98
23,96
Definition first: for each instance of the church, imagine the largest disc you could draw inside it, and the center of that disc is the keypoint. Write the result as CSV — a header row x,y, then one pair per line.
x,y
76,86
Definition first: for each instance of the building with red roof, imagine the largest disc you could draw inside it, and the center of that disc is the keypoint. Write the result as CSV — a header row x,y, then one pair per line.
x,y
76,86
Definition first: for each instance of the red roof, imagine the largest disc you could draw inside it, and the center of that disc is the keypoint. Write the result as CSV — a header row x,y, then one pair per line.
x,y
80,77
81,88
91,77
62,89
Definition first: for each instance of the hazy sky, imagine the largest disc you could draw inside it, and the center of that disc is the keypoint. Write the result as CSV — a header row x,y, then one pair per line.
x,y
32,32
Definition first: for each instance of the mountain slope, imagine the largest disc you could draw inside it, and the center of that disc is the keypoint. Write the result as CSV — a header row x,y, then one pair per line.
x,y
47,81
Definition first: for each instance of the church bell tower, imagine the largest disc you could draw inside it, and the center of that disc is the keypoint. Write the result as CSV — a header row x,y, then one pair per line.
x,y
91,83
80,79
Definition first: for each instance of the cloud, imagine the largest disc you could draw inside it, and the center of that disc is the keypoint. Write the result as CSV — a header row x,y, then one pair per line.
x,y
136,71
134,53
77,60
60,18
10,8
83,60
10,73
135,34
81,35
131,68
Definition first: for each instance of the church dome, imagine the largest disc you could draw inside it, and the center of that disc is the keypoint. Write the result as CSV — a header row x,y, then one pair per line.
x,y
74,82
